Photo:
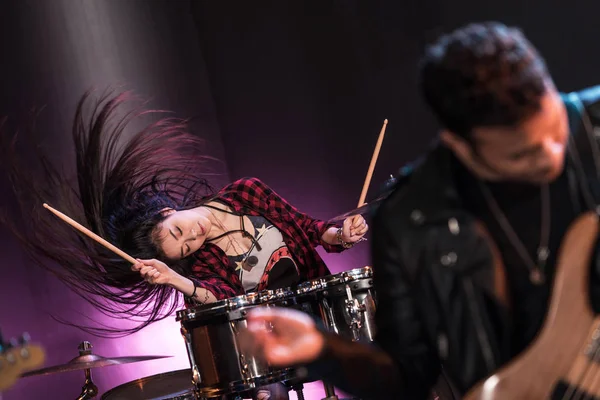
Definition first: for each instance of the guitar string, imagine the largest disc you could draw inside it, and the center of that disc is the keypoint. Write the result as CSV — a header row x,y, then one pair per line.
x,y
592,366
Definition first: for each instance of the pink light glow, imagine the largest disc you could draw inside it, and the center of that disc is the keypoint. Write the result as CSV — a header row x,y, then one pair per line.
x,y
161,338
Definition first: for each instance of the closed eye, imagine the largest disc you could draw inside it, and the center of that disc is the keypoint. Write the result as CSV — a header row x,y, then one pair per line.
x,y
526,152
186,252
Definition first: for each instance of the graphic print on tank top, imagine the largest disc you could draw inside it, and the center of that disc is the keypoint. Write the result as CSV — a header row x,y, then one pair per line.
x,y
268,265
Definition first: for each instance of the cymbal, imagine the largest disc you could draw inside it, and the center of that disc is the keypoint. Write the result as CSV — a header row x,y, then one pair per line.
x,y
88,361
364,209
384,192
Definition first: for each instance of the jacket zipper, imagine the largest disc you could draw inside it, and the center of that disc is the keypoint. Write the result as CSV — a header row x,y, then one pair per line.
x,y
484,342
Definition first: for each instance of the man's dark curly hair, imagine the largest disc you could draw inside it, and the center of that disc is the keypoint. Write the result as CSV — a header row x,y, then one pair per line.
x,y
483,74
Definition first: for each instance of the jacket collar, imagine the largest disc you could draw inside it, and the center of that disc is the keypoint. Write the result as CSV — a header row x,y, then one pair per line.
x,y
433,191
433,182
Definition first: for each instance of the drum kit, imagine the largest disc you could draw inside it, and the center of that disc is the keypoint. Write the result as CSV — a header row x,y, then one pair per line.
x,y
220,368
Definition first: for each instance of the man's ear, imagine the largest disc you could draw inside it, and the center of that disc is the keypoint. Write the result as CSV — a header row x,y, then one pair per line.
x,y
459,146
463,150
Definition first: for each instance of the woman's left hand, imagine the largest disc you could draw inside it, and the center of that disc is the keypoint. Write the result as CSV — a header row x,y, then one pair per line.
x,y
354,229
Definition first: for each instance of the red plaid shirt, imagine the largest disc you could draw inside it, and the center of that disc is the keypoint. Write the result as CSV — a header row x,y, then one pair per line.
x,y
301,234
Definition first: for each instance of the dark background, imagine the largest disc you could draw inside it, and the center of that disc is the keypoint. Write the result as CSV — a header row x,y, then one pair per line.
x,y
294,93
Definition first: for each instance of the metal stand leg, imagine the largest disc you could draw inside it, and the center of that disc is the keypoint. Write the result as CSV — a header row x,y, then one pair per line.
x,y
297,388
89,389
329,392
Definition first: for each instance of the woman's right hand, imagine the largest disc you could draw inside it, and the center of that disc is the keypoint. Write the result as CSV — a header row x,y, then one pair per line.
x,y
282,336
154,272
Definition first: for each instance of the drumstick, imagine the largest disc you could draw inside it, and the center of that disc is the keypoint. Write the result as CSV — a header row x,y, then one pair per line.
x,y
91,234
363,194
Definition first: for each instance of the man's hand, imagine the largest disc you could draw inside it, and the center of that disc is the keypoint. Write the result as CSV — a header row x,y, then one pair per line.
x,y
282,336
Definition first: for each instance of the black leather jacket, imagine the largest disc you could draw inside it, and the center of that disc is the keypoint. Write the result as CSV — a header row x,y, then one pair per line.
x,y
435,283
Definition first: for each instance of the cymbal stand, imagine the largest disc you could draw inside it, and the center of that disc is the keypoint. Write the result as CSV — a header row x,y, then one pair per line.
x,y
298,388
327,315
329,392
89,390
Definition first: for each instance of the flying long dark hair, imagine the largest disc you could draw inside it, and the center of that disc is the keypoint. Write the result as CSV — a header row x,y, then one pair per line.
x,y
118,191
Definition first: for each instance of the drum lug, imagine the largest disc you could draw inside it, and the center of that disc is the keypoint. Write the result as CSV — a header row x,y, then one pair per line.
x,y
196,378
328,316
355,311
244,367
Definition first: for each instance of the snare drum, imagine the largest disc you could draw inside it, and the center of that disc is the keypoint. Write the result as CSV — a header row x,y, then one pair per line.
x,y
211,333
176,385
346,302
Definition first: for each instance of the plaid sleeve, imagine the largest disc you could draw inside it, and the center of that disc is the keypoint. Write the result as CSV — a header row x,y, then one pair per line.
x,y
267,199
219,287
208,273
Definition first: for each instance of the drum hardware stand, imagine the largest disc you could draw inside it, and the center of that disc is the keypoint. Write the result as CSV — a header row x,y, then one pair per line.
x,y
89,389
297,388
329,392
329,389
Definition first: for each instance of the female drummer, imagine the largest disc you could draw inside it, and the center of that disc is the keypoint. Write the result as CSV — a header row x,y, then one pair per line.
x,y
146,195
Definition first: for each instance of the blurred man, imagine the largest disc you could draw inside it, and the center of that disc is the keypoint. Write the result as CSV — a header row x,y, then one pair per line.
x,y
513,167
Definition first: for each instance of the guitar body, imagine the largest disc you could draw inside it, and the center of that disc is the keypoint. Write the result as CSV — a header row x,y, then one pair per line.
x,y
563,350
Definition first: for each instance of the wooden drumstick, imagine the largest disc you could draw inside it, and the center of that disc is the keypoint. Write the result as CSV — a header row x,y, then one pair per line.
x,y
91,234
365,188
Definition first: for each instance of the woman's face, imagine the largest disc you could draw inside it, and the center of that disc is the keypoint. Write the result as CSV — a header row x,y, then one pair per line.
x,y
182,233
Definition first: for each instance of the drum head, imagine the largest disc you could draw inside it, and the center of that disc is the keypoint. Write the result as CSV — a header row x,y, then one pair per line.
x,y
347,276
221,307
176,385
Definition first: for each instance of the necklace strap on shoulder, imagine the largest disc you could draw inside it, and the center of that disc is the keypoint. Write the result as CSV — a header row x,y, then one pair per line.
x,y
220,209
